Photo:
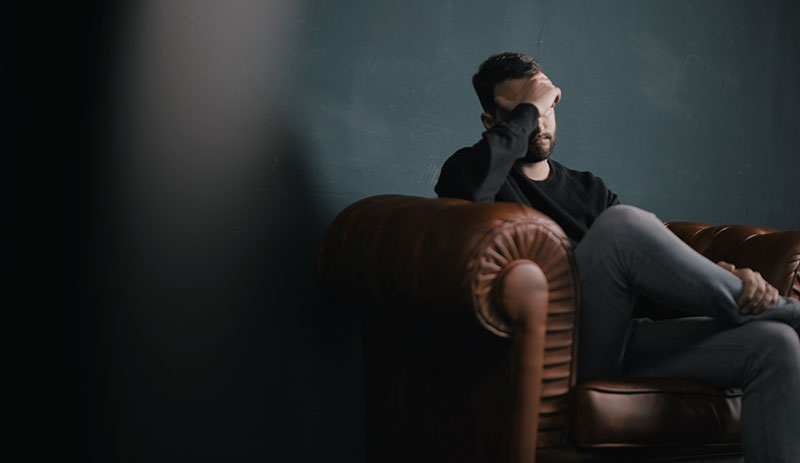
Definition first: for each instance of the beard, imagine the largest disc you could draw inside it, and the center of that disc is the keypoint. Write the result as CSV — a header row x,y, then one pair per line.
x,y
537,152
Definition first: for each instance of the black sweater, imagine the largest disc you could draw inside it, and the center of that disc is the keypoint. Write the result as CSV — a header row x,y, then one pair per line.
x,y
487,172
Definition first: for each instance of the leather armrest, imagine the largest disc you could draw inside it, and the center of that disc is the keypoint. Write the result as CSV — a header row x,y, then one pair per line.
x,y
443,254
425,265
774,254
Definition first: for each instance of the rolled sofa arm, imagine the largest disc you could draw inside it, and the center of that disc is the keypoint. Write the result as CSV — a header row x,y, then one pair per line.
x,y
774,254
444,254
506,266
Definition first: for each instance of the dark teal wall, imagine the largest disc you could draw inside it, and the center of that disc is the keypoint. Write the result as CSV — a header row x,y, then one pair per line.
x,y
685,108
178,163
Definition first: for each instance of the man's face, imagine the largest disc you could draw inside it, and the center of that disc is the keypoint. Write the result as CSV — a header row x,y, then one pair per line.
x,y
542,141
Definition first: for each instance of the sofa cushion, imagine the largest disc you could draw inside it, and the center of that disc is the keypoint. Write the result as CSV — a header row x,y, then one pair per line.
x,y
636,412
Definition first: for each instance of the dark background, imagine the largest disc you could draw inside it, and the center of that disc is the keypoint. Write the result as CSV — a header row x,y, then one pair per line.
x,y
172,167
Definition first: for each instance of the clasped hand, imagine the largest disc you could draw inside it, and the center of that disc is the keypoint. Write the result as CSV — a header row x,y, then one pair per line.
x,y
757,294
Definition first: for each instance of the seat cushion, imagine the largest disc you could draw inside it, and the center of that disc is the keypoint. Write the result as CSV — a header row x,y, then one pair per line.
x,y
637,412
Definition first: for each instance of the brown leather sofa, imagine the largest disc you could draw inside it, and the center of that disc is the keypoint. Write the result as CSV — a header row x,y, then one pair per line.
x,y
470,332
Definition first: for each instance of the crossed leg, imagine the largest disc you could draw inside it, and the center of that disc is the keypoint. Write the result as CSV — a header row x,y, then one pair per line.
x,y
761,357
628,252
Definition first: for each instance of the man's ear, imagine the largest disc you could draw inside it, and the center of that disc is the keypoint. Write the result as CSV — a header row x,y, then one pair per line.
x,y
488,120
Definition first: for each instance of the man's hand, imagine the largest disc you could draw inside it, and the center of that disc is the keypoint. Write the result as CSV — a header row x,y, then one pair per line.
x,y
757,294
537,90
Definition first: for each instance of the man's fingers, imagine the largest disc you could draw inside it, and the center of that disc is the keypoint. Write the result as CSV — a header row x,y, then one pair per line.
x,y
771,297
775,296
540,91
541,77
558,96
504,103
764,295
757,293
726,266
748,291
761,298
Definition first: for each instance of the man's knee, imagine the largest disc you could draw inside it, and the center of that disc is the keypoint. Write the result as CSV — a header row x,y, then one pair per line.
x,y
621,226
623,215
774,344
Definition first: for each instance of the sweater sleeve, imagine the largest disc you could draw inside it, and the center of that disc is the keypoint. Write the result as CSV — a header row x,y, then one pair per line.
x,y
611,198
477,173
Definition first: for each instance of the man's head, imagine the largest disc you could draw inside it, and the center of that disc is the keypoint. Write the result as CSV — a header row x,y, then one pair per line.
x,y
499,68
505,75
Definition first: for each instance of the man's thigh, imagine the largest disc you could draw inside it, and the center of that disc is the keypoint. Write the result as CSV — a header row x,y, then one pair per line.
x,y
699,348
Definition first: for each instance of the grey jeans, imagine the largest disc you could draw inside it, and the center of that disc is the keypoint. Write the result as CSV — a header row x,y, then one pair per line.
x,y
629,252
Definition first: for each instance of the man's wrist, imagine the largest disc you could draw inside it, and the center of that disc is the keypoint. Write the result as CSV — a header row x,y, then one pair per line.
x,y
526,114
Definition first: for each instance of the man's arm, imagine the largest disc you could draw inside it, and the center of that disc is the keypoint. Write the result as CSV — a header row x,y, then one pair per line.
x,y
478,172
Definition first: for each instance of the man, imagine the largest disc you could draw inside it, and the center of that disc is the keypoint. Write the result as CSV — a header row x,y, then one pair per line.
x,y
744,335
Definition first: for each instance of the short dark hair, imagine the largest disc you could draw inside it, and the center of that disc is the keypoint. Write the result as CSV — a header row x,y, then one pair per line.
x,y
498,68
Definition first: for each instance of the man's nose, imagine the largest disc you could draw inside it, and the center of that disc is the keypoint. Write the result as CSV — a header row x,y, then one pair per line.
x,y
544,125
